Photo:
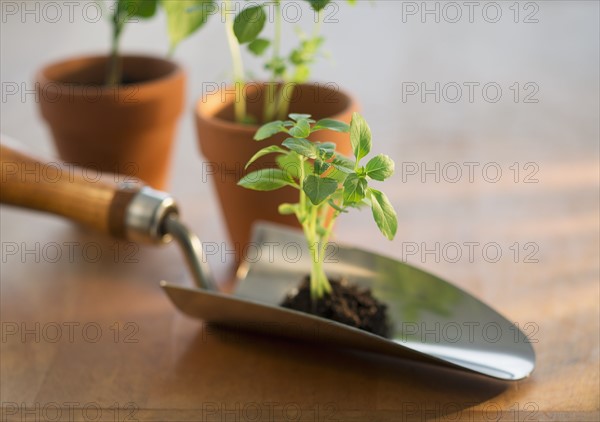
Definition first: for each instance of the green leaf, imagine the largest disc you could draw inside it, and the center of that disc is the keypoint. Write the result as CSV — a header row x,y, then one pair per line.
x,y
184,17
383,213
343,164
304,56
331,124
290,164
301,129
326,146
360,137
265,151
302,74
258,46
287,209
355,189
297,58
326,150
268,130
277,65
266,180
318,189
337,175
249,23
380,167
325,154
321,167
296,117
318,5
302,146
138,8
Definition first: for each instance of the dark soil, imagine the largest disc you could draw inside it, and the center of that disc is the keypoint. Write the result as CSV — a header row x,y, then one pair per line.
x,y
348,304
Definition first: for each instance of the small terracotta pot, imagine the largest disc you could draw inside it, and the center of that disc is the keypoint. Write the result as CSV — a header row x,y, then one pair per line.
x,y
126,129
227,147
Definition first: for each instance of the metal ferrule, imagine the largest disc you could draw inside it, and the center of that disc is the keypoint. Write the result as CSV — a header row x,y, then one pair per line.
x,y
145,216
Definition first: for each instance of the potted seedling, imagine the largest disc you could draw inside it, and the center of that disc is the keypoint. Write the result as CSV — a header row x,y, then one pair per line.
x,y
327,184
228,117
115,112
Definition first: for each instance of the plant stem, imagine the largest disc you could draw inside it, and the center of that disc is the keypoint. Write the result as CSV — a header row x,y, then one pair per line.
x,y
302,194
114,75
317,244
271,100
327,232
307,217
312,218
318,24
238,65
284,100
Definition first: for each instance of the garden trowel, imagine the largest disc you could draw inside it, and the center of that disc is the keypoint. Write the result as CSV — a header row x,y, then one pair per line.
x,y
432,320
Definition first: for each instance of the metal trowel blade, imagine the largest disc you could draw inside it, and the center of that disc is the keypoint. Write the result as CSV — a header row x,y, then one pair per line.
x,y
432,320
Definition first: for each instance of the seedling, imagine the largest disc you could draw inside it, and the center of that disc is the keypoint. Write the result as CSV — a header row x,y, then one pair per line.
x,y
328,183
245,27
181,23
284,70
123,12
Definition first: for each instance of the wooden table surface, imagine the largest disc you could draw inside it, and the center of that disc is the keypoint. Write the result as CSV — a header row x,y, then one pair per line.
x,y
89,334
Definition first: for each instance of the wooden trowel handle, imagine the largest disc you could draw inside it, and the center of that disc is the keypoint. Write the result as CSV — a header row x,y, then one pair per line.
x,y
101,202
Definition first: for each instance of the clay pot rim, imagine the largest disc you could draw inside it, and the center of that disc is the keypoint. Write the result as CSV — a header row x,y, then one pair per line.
x,y
43,80
232,126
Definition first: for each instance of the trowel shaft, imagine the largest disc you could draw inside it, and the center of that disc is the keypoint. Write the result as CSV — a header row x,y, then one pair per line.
x,y
128,210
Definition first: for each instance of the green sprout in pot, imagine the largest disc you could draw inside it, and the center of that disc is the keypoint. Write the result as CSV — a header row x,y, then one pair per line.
x,y
184,17
284,70
245,24
329,185
123,12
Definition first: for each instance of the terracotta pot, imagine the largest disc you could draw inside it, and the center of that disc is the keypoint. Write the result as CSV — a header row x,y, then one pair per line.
x,y
126,129
227,147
